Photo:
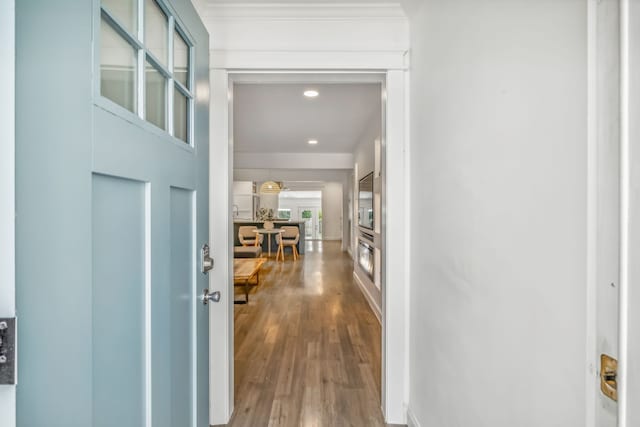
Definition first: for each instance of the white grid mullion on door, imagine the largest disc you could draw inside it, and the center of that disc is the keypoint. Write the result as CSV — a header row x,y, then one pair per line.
x,y
119,28
141,65
170,80
143,55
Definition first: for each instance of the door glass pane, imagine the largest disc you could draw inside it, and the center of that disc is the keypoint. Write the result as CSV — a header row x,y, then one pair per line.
x,y
180,115
156,30
180,59
117,68
306,215
125,11
155,96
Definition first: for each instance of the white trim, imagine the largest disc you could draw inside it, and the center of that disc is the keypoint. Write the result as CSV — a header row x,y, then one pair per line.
x,y
592,220
395,279
367,295
7,158
412,421
407,235
7,188
306,77
304,11
395,373
312,60
220,237
624,213
313,36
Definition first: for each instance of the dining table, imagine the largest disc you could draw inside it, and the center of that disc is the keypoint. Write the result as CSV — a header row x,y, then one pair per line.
x,y
269,232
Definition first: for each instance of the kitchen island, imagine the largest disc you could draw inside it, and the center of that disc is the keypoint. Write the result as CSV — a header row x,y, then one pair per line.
x,y
277,224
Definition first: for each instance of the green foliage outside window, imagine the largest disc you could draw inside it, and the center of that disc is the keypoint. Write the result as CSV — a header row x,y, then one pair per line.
x,y
284,213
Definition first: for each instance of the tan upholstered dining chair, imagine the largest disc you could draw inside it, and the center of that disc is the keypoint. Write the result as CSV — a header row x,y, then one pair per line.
x,y
289,237
248,237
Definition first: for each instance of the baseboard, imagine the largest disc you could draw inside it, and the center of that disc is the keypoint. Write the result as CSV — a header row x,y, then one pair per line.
x,y
412,421
367,295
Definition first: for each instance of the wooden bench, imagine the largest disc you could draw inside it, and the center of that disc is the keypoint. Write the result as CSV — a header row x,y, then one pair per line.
x,y
244,269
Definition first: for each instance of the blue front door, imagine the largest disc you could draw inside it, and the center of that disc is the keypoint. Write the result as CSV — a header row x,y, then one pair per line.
x,y
112,208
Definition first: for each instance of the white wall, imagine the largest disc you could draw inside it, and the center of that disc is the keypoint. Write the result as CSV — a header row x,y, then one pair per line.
x,y
243,200
364,154
295,203
269,201
332,211
498,213
365,163
7,188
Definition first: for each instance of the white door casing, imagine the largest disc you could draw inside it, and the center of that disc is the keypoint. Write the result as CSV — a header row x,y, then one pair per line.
x,y
614,28
355,40
7,188
221,362
394,340
603,204
629,366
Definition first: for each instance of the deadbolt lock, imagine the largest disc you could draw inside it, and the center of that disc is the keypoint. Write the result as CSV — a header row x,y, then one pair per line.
x,y
609,376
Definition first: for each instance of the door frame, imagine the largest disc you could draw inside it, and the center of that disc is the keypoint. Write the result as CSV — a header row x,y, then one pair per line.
x,y
316,220
7,188
629,366
628,209
395,313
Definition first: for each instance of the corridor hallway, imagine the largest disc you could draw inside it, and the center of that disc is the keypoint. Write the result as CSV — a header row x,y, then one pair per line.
x,y
307,346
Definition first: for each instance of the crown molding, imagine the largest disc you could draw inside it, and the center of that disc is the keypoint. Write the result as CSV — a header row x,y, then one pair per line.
x,y
302,11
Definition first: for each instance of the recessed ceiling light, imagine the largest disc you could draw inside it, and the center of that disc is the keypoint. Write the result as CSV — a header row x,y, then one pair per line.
x,y
312,141
311,93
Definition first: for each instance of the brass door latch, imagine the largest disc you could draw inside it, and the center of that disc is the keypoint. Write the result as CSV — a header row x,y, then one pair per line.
x,y
609,376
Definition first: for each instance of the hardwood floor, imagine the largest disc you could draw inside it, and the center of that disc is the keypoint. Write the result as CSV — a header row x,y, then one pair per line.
x,y
307,346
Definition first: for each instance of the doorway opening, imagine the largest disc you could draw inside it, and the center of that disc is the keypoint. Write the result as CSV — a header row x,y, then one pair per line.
x,y
302,161
303,206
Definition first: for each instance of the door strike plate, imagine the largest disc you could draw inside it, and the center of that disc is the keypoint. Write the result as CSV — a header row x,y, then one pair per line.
x,y
8,351
609,376
206,261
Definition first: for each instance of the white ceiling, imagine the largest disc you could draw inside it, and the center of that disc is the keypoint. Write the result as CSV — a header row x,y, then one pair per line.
x,y
277,118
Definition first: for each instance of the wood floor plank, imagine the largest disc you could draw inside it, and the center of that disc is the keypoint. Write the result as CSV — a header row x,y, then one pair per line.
x,y
307,346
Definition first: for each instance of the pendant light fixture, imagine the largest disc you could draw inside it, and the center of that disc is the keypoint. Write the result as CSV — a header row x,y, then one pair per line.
x,y
270,187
